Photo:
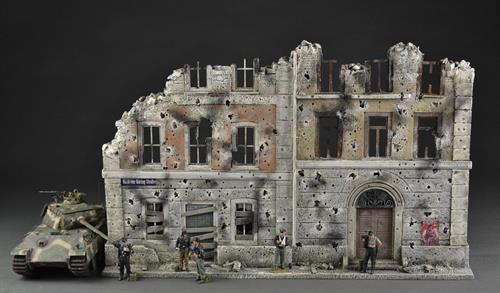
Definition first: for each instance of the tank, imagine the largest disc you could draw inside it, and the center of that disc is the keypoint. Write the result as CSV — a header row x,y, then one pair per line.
x,y
71,235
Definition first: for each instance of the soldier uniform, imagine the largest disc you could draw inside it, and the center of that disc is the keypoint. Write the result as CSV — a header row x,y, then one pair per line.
x,y
183,244
124,251
198,254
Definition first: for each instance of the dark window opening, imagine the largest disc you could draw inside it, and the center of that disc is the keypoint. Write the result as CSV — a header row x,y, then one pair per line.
x,y
427,131
244,153
378,142
197,75
431,78
200,137
379,75
329,134
150,144
329,78
154,220
244,217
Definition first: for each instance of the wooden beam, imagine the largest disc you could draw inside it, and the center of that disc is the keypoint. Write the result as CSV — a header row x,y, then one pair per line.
x,y
200,229
198,211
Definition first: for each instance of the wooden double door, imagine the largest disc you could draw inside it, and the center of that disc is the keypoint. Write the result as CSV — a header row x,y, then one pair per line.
x,y
380,221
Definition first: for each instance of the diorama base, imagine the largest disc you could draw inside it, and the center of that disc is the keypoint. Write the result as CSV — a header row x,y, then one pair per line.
x,y
302,273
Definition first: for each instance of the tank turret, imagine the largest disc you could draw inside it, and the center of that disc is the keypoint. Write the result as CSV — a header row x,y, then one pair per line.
x,y
72,235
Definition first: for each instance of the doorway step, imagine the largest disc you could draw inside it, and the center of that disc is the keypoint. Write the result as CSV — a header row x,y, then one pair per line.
x,y
380,264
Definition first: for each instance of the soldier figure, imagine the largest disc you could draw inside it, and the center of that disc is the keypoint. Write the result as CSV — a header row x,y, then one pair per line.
x,y
184,245
371,243
281,241
197,255
124,251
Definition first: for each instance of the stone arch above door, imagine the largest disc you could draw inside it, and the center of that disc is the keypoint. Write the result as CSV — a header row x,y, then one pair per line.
x,y
398,204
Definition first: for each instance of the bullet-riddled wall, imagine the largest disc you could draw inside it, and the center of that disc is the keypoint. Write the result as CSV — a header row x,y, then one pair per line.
x,y
151,203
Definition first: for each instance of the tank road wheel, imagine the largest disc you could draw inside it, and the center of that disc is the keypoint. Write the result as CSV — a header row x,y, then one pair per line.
x,y
78,266
20,265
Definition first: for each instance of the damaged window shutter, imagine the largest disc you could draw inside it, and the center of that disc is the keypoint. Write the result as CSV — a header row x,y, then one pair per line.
x,y
154,220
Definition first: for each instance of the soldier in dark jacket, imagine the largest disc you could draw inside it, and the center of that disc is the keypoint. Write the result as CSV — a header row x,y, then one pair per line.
x,y
124,252
197,254
183,244
281,241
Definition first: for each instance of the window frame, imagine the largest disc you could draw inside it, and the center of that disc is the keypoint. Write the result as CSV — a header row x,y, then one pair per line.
x,y
234,144
255,228
163,212
418,115
141,127
367,135
187,143
340,133
246,72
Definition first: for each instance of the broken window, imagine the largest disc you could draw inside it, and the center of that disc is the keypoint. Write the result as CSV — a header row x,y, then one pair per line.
x,y
329,136
379,73
329,77
244,221
245,75
150,144
200,137
154,220
431,77
244,146
377,141
197,75
427,128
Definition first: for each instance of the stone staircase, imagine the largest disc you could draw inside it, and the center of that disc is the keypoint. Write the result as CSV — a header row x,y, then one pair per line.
x,y
380,264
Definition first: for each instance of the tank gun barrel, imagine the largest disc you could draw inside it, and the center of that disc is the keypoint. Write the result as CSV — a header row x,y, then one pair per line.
x,y
92,228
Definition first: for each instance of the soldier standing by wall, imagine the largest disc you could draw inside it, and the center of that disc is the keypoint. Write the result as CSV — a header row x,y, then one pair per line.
x,y
281,241
183,244
197,255
124,252
371,243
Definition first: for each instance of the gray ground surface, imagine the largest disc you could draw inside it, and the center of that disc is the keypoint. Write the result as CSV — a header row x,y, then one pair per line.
x,y
485,262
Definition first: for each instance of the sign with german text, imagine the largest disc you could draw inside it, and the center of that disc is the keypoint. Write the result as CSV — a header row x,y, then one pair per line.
x,y
138,182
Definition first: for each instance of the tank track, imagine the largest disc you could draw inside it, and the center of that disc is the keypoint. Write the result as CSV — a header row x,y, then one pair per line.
x,y
20,265
78,266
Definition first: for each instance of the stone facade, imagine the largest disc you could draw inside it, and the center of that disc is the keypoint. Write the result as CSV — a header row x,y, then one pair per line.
x,y
151,181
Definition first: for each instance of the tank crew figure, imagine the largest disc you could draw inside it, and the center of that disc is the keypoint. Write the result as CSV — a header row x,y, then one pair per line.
x,y
197,254
183,244
281,241
124,252
371,243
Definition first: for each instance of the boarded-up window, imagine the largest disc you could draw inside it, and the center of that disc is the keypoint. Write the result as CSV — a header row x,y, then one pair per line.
x,y
377,135
244,146
427,128
150,144
200,136
329,136
154,220
244,221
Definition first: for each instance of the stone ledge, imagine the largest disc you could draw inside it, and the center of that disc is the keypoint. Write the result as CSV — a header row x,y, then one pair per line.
x,y
384,164
304,273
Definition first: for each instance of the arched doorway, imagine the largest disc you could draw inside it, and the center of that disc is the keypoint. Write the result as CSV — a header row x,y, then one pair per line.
x,y
375,212
389,196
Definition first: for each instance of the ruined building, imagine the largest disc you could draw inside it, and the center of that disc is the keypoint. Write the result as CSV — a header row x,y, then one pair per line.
x,y
326,150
